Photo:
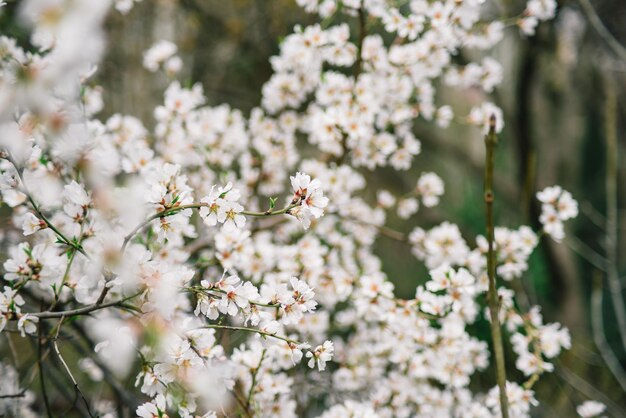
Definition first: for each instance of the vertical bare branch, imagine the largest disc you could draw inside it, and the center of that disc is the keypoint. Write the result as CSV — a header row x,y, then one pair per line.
x,y
494,304
599,338
611,245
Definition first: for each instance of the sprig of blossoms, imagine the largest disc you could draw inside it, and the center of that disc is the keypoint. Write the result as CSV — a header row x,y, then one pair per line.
x,y
221,205
557,206
162,53
537,343
308,199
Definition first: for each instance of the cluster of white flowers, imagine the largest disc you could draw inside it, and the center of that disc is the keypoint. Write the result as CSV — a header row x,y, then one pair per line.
x,y
536,11
173,243
429,190
557,206
163,54
539,341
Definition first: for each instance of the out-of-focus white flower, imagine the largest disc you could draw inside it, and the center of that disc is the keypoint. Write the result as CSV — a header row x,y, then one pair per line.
x,y
158,54
590,409
430,187
558,206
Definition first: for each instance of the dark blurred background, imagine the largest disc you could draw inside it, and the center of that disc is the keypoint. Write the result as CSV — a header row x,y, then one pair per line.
x,y
564,102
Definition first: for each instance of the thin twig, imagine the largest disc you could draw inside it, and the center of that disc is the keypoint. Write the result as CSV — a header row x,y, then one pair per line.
x,y
592,213
252,330
255,372
588,389
121,393
241,403
69,372
86,309
617,48
599,338
20,394
611,247
41,375
587,253
382,229
494,304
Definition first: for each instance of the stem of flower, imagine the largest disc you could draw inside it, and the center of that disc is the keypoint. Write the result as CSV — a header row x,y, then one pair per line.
x,y
253,330
272,212
492,296
174,210
255,373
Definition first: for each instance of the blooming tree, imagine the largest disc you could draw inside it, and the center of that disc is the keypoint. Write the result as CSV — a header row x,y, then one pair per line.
x,y
229,270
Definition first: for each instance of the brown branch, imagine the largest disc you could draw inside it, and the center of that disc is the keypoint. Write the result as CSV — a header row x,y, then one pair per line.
x,y
358,66
492,295
86,309
14,395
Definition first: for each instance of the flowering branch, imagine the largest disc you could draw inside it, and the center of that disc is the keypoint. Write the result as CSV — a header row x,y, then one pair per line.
x,y
65,240
174,210
382,229
255,331
208,292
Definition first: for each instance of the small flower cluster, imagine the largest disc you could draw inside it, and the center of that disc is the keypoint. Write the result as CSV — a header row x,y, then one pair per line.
x,y
520,400
557,206
440,245
168,190
429,189
221,206
536,11
308,199
539,341
162,54
10,307
513,248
